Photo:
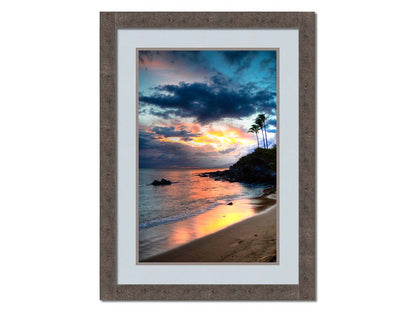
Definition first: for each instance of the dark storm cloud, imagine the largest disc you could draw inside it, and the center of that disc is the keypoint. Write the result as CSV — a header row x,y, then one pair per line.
x,y
170,132
166,132
210,102
237,57
220,80
157,154
163,155
155,111
146,140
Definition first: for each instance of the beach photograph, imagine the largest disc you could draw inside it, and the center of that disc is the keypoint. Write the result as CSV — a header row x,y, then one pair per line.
x,y
207,165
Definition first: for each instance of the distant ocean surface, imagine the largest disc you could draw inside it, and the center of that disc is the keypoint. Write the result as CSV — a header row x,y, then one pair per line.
x,y
189,196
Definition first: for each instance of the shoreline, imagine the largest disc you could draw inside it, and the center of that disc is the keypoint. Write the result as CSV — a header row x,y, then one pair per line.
x,y
256,167
214,206
251,240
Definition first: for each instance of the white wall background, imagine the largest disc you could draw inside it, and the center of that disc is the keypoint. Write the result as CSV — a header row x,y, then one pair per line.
x,y
49,160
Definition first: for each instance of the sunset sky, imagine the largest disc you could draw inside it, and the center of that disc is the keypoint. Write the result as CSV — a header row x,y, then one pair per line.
x,y
195,107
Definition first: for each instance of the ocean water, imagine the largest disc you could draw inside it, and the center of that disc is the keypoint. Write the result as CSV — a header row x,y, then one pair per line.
x,y
187,196
189,208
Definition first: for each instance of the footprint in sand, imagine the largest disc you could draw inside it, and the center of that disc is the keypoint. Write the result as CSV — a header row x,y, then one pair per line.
x,y
238,242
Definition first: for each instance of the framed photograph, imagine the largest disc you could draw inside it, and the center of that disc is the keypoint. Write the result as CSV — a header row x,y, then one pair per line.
x,y
207,156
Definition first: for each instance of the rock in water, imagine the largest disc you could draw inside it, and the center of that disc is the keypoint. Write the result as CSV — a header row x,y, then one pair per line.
x,y
230,203
161,182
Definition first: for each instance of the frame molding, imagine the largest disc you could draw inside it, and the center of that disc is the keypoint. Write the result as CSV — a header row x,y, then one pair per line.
x,y
110,22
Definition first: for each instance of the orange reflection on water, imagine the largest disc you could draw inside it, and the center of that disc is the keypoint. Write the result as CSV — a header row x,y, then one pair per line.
x,y
211,221
221,218
168,236
207,223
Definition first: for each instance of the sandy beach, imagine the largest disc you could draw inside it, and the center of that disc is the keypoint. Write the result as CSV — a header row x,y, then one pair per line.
x,y
251,240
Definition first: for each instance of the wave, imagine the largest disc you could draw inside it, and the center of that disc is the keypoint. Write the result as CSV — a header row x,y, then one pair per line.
x,y
174,218
191,213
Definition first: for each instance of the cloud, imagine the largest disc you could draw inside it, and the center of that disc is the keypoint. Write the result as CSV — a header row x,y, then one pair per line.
x,y
209,102
240,59
154,153
220,79
172,60
183,133
228,150
195,106
271,121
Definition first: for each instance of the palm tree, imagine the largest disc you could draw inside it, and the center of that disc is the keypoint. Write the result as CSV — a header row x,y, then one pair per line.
x,y
259,122
263,119
255,129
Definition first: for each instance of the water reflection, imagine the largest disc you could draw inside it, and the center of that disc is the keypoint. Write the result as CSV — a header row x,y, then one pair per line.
x,y
176,214
167,236
190,196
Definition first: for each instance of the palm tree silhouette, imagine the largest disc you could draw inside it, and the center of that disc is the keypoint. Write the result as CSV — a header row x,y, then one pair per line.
x,y
263,118
255,129
259,122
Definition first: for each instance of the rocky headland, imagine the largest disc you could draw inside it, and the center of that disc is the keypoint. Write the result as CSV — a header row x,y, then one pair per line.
x,y
256,167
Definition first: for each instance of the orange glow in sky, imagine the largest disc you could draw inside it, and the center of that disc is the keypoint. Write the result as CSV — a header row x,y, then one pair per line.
x,y
218,139
196,106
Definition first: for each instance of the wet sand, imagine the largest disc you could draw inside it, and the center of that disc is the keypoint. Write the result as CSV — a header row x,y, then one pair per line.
x,y
251,240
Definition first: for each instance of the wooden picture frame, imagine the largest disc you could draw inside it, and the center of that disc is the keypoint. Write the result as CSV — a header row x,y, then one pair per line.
x,y
110,22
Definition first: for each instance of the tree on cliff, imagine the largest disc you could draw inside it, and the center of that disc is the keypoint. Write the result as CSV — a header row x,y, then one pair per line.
x,y
261,122
255,129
